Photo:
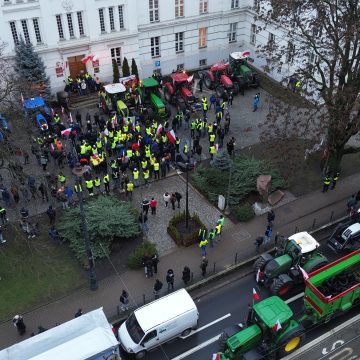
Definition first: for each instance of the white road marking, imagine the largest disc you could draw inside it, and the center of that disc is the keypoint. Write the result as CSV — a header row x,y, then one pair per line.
x,y
322,337
207,325
294,298
197,348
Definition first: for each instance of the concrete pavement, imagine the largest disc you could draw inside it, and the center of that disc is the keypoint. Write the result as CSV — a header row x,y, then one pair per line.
x,y
237,243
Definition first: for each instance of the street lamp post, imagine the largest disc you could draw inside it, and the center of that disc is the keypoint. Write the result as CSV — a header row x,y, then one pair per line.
x,y
187,197
227,207
78,171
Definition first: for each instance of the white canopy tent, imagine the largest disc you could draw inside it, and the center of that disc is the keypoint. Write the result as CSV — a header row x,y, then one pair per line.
x,y
86,337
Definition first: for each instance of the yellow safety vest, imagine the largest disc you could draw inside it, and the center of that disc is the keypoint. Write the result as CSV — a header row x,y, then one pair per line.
x,y
130,186
97,182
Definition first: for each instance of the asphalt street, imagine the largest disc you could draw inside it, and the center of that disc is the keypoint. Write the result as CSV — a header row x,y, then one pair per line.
x,y
227,306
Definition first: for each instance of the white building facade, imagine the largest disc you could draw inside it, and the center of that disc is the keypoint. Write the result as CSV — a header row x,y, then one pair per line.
x,y
161,35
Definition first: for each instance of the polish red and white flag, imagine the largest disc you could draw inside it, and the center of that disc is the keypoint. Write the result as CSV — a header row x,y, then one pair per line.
x,y
258,274
255,295
304,273
216,357
171,136
277,326
190,79
159,130
66,132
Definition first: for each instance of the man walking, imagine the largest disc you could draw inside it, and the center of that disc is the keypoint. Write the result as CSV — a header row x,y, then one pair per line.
x,y
335,178
124,301
326,183
203,265
51,214
170,277
153,205
157,287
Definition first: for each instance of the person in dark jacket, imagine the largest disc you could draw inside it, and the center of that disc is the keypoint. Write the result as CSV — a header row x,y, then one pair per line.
x,y
18,322
271,217
155,261
178,198
157,287
186,275
170,279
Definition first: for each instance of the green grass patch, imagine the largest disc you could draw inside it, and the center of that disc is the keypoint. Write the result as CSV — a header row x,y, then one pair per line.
x,y
34,271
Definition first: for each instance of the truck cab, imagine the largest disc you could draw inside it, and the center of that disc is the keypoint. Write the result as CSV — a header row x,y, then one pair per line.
x,y
345,238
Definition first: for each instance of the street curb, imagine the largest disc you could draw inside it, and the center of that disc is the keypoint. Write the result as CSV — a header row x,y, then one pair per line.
x,y
231,269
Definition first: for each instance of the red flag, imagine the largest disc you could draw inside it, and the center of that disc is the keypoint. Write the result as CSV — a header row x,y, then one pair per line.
x,y
85,59
255,295
66,132
216,357
159,130
304,273
171,136
277,326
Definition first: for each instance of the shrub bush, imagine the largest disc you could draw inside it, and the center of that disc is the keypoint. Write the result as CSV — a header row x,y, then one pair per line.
x,y
243,212
135,259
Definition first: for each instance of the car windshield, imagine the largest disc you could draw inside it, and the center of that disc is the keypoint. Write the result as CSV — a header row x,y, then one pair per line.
x,y
135,331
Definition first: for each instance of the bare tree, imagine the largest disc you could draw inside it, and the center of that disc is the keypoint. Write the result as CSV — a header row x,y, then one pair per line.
x,y
321,41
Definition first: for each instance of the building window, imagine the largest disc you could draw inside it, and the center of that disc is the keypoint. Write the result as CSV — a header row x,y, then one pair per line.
x,y
121,16
313,58
179,8
116,55
14,32
290,52
202,37
253,34
202,62
154,10
37,30
179,42
60,27
80,23
70,25
180,67
271,41
232,32
234,4
155,46
25,31
102,21
203,6
111,19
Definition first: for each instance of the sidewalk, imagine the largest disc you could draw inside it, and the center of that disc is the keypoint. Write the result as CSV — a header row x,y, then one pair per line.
x,y
237,241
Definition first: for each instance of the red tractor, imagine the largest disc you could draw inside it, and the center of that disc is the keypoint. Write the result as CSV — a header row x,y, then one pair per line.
x,y
177,92
217,78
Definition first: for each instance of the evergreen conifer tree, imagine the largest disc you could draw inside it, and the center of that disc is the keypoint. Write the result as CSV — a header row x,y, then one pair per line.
x,y
221,160
134,69
116,74
125,67
31,68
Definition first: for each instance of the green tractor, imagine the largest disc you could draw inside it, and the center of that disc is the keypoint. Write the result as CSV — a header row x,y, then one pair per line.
x,y
151,98
240,72
284,271
271,333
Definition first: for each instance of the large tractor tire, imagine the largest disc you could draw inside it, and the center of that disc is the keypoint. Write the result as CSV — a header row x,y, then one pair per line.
x,y
317,266
167,95
261,261
291,341
207,81
222,341
281,285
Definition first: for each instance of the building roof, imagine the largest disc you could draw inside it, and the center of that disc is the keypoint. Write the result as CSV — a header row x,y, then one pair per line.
x,y
164,309
78,339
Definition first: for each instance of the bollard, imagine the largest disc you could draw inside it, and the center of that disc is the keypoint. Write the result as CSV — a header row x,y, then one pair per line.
x,y
192,277
332,215
214,266
118,310
314,223
296,230
144,301
236,258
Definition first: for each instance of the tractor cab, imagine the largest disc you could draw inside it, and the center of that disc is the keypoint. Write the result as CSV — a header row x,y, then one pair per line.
x,y
113,98
270,321
239,68
149,91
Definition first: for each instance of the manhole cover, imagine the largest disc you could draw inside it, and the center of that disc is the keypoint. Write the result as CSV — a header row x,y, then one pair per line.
x,y
241,235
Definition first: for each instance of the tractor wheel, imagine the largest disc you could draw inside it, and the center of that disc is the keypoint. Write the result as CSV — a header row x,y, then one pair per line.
x,y
280,287
219,91
261,261
207,81
222,341
317,266
236,88
167,95
291,341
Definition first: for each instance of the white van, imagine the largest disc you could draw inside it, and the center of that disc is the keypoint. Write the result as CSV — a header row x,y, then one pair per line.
x,y
156,323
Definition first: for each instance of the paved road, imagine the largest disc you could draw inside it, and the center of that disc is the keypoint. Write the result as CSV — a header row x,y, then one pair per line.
x,y
225,307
